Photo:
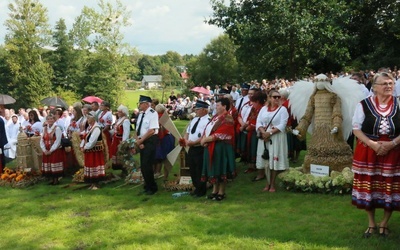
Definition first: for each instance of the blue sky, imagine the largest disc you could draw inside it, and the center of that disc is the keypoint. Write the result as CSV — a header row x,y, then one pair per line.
x,y
157,25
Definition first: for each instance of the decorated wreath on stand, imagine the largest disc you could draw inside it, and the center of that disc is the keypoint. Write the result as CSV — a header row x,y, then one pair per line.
x,y
126,151
294,179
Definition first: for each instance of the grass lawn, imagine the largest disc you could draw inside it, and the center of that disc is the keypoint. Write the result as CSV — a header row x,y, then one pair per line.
x,y
117,217
131,97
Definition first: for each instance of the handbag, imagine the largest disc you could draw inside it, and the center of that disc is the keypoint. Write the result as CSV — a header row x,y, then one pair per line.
x,y
265,154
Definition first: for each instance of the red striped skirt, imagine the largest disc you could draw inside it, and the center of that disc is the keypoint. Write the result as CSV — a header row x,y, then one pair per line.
x,y
53,164
376,181
94,170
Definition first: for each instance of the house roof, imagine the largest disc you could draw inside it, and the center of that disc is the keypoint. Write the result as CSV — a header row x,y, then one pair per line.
x,y
152,78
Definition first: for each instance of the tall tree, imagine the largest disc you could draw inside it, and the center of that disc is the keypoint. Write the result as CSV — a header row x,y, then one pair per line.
x,y
216,64
374,27
149,65
28,33
100,34
172,58
285,38
65,60
5,72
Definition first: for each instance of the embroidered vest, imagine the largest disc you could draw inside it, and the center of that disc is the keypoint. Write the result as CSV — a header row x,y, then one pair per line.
x,y
373,119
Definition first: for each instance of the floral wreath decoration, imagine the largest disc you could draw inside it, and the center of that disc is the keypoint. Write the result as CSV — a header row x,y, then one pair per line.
x,y
126,151
295,180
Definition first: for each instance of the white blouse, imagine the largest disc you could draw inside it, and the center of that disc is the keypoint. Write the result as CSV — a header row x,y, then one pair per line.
x,y
279,121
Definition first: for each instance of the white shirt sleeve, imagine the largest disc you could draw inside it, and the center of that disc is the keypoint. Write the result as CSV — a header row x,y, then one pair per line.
x,y
281,119
57,142
127,129
93,138
153,120
358,117
259,122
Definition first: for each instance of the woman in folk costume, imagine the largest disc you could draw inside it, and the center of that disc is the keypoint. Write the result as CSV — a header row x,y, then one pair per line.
x,y
120,133
83,124
105,121
93,148
376,162
53,153
219,156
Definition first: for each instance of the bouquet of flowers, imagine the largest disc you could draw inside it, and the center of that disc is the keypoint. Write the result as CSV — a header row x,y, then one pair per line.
x,y
337,183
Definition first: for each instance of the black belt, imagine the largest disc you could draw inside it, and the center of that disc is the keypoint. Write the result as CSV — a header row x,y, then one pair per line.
x,y
153,137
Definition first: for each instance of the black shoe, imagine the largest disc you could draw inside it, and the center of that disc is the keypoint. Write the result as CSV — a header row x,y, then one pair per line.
x,y
369,232
212,196
383,232
219,197
149,192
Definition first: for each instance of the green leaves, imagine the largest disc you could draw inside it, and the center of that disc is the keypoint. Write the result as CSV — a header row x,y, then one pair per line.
x,y
286,38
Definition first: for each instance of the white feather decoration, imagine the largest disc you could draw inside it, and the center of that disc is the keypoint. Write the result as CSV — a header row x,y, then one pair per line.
x,y
350,95
299,96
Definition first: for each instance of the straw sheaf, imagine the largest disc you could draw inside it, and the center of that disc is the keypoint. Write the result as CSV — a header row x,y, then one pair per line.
x,y
328,149
107,159
76,142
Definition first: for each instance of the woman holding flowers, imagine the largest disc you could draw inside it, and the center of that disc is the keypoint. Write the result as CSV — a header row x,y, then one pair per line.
x,y
219,155
376,161
34,126
53,154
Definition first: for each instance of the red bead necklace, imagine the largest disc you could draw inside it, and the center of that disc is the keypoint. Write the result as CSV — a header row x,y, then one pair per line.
x,y
385,109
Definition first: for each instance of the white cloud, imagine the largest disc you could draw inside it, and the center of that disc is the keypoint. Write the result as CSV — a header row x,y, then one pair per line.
x,y
157,25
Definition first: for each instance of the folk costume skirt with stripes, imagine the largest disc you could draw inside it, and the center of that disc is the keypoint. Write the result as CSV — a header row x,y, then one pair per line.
x,y
53,164
376,178
94,170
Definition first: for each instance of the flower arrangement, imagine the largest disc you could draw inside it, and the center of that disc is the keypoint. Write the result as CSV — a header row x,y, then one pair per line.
x,y
28,128
126,150
337,183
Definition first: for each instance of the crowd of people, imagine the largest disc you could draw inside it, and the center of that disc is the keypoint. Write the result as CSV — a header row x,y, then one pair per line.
x,y
251,121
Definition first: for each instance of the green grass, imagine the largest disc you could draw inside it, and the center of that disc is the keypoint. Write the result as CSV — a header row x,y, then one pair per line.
x,y
116,217
131,97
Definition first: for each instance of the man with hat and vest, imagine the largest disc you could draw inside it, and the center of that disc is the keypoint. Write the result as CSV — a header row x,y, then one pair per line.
x,y
192,138
147,130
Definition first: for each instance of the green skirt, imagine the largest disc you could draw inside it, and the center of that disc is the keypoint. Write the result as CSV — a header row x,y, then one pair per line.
x,y
222,166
